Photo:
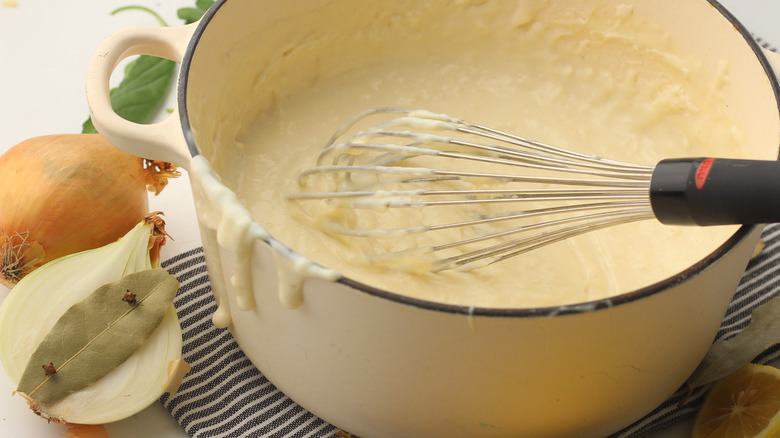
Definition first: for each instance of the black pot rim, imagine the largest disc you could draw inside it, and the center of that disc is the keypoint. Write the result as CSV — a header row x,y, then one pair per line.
x,y
605,303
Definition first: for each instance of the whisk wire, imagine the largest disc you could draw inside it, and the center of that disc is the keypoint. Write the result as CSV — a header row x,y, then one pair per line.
x,y
489,153
388,166
506,250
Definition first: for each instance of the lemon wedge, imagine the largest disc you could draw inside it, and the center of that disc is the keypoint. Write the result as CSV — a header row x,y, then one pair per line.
x,y
746,404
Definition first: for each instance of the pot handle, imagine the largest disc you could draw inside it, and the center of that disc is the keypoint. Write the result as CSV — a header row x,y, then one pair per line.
x,y
158,141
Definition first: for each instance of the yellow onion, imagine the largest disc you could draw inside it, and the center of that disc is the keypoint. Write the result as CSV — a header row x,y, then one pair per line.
x,y
30,311
61,194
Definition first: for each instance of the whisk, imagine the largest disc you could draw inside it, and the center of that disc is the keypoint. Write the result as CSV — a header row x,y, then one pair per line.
x,y
419,159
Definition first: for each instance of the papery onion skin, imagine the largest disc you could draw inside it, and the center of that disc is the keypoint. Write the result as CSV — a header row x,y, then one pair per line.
x,y
61,194
86,431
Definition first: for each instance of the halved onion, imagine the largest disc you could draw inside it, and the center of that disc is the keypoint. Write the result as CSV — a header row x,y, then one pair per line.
x,y
36,303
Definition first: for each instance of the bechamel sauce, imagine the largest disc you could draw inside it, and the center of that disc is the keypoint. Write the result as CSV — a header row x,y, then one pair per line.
x,y
227,224
597,81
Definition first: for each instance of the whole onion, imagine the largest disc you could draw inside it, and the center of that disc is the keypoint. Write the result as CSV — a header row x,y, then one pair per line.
x,y
61,194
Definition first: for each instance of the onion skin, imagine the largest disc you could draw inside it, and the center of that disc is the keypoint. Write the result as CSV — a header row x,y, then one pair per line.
x,y
65,194
86,431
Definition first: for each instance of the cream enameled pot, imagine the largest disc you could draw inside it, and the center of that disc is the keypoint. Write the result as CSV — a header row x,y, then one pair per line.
x,y
378,364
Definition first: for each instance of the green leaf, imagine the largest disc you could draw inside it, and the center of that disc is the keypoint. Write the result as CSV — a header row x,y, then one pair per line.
x,y
147,79
142,90
144,86
728,355
97,334
144,9
191,15
88,128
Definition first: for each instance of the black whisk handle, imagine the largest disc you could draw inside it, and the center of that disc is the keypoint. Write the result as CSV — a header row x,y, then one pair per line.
x,y
715,191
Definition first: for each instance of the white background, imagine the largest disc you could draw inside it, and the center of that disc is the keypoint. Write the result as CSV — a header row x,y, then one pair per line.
x,y
45,47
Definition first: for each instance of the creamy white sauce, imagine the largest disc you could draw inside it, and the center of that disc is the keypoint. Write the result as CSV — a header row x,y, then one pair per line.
x,y
600,81
227,224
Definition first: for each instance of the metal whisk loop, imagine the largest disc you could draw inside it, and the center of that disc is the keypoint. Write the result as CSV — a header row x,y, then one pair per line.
x,y
499,252
416,159
413,122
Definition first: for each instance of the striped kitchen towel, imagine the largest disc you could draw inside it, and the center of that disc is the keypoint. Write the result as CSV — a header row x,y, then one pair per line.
x,y
226,396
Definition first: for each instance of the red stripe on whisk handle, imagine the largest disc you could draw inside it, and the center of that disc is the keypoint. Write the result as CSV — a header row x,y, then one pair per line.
x,y
703,172
707,191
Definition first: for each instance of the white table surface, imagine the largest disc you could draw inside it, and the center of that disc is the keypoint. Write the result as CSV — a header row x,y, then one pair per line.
x,y
45,47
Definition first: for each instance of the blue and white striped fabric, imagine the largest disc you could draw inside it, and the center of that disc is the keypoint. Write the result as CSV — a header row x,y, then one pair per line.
x,y
226,396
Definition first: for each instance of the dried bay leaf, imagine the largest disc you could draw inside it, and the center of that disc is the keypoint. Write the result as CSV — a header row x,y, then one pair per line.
x,y
728,355
97,334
